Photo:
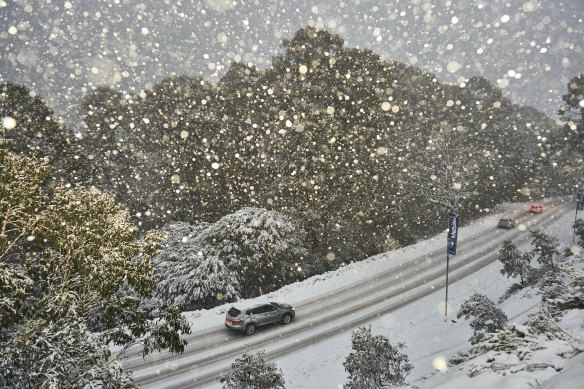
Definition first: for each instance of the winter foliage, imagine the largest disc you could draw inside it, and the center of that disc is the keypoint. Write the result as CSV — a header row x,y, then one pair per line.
x,y
71,263
515,263
191,275
59,354
374,362
326,154
517,348
251,371
541,342
544,248
486,316
244,254
559,296
263,248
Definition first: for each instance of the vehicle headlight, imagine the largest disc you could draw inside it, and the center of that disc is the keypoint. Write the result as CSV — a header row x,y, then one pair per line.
x,y
292,309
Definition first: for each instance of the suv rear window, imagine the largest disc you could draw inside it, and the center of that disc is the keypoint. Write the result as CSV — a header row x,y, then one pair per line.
x,y
234,312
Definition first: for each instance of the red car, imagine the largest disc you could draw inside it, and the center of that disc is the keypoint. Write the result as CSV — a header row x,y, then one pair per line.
x,y
535,209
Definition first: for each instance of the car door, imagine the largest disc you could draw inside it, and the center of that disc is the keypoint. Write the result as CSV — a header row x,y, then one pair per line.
x,y
260,315
272,314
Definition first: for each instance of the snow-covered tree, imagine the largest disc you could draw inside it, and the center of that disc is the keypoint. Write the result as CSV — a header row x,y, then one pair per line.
x,y
515,263
487,317
579,230
374,362
15,286
544,248
264,249
191,274
251,371
572,112
59,354
559,297
87,263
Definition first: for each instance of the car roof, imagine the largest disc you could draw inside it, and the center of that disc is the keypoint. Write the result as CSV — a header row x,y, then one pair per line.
x,y
255,306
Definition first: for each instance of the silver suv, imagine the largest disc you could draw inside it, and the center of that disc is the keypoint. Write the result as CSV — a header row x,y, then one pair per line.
x,y
247,320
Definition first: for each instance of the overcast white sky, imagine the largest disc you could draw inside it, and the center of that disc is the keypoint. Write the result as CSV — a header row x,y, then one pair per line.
x,y
61,48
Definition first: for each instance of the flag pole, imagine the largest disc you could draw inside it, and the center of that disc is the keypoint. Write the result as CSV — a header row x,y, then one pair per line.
x,y
450,249
446,300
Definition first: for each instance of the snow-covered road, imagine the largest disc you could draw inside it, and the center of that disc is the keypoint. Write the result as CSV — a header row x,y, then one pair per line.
x,y
340,303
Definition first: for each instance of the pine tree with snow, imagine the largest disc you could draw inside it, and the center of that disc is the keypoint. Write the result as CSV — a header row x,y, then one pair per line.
x,y
558,297
191,274
515,263
487,317
264,249
544,248
579,230
374,362
251,371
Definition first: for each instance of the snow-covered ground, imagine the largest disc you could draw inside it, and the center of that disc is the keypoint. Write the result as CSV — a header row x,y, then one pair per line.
x,y
430,338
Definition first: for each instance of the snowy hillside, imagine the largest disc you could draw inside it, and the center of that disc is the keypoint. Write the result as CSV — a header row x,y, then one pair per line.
x,y
430,340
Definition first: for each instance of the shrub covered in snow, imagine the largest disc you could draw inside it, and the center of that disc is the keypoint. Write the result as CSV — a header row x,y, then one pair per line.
x,y
513,338
374,362
458,358
542,322
251,371
509,349
545,341
487,317
559,297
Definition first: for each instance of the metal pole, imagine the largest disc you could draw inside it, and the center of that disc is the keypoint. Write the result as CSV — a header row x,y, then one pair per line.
x,y
574,227
446,301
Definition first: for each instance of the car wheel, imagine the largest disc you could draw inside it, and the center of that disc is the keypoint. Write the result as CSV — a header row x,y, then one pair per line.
x,y
286,318
250,329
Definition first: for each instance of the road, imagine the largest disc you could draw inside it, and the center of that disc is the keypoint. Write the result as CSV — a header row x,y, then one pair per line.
x,y
211,352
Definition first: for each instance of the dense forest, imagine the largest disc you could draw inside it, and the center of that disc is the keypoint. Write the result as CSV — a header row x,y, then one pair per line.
x,y
191,194
355,154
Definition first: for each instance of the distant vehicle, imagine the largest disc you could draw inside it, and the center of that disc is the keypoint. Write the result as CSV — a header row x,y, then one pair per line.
x,y
247,320
506,223
535,209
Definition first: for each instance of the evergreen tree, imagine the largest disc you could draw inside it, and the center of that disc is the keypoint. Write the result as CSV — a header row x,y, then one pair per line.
x,y
579,230
251,371
515,263
190,274
263,249
558,297
326,154
572,113
37,133
487,317
545,247
374,362
88,267
59,354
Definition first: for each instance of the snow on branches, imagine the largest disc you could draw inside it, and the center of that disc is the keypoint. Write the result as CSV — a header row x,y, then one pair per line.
x,y
243,253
